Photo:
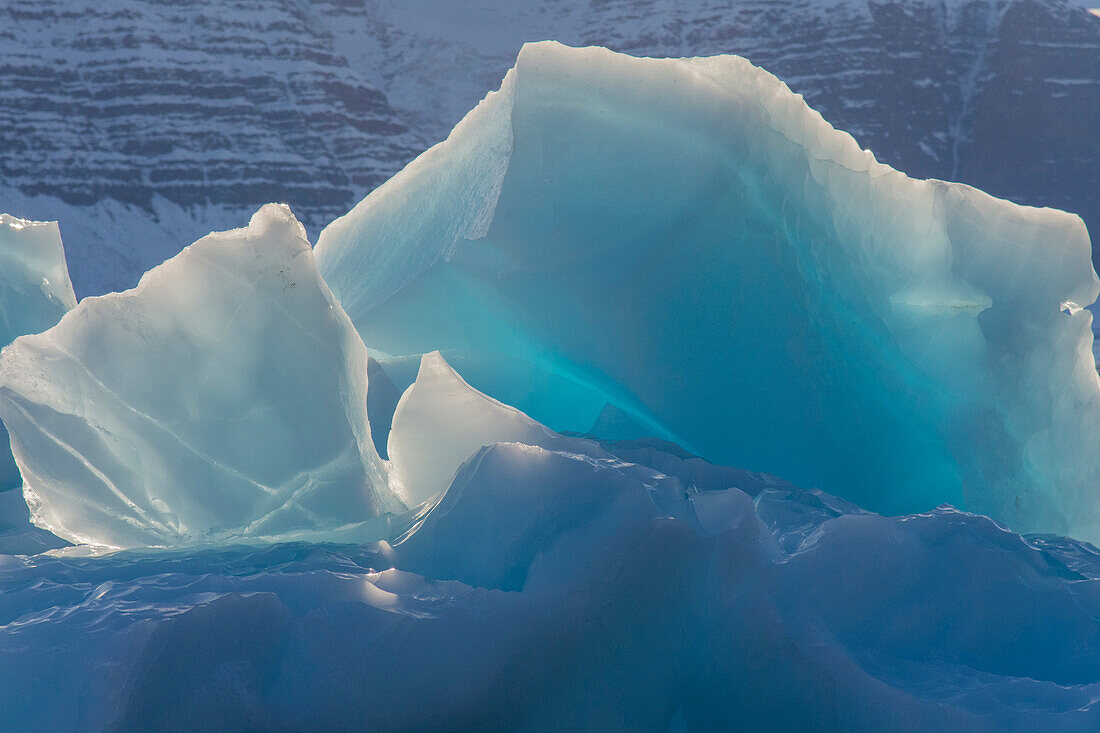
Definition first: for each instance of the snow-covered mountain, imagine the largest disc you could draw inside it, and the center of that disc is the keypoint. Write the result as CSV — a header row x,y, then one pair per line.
x,y
143,124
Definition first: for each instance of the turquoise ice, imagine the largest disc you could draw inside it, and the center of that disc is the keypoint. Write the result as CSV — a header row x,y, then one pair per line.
x,y
35,292
685,244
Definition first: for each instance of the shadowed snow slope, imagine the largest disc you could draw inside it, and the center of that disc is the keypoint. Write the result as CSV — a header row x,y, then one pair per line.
x,y
686,241
555,591
223,398
34,293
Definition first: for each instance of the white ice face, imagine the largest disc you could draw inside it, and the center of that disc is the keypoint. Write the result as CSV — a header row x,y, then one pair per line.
x,y
222,399
440,422
34,293
684,244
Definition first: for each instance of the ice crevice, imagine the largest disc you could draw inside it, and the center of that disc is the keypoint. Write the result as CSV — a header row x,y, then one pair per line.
x,y
35,291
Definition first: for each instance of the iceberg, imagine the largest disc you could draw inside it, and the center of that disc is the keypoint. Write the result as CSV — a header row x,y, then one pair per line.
x,y
683,249
497,515
223,399
35,292
553,581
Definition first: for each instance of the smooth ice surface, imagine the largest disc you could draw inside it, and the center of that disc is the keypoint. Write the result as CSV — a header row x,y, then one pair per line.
x,y
440,422
34,282
684,246
34,293
224,398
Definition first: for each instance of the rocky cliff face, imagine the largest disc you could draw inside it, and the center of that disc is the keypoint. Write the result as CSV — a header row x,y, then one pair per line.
x,y
143,124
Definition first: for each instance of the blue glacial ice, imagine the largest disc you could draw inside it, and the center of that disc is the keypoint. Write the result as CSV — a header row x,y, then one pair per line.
x,y
685,244
225,397
35,292
455,491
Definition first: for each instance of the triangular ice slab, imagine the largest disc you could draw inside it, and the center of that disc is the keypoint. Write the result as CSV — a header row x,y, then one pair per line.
x,y
441,421
223,399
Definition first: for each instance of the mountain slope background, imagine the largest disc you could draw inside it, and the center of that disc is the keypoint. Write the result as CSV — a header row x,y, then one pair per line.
x,y
143,124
